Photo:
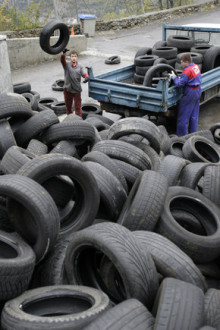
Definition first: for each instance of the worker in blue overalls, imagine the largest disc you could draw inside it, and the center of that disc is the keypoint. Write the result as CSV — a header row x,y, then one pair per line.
x,y
190,80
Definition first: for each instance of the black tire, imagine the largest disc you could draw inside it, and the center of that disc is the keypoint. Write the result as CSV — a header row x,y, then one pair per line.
x,y
97,123
176,146
153,155
204,133
14,159
105,120
112,193
35,126
24,87
211,180
201,149
189,307
65,307
211,59
59,108
212,302
144,204
90,108
86,192
124,151
201,48
154,71
14,105
180,42
130,172
141,70
17,263
188,221
135,271
171,167
7,139
73,130
143,51
200,248
171,261
130,314
32,99
159,44
145,60
37,148
106,161
50,271
191,174
113,60
165,52
196,57
47,101
160,60
48,31
65,147
138,79
210,270
139,126
58,85
215,130
32,211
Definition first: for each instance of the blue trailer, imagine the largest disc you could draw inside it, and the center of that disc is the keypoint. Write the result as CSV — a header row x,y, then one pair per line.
x,y
117,93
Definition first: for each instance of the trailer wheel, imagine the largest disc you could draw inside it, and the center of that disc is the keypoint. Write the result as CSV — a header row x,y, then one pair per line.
x,y
48,31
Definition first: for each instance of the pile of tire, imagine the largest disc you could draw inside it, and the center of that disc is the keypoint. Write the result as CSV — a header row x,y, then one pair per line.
x,y
106,225
147,60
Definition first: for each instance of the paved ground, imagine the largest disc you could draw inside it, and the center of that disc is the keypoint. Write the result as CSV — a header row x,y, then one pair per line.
x,y
122,43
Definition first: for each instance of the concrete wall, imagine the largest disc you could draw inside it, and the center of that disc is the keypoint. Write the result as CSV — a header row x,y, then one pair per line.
x,y
27,51
5,71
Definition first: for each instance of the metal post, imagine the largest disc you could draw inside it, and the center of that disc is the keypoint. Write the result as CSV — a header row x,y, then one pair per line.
x,y
76,11
142,6
55,9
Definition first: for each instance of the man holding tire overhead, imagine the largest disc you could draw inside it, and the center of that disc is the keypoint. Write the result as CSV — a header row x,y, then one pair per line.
x,y
73,71
190,80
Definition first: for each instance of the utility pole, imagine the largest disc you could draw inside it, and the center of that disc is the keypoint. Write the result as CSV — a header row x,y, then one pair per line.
x,y
142,6
55,9
118,8
76,11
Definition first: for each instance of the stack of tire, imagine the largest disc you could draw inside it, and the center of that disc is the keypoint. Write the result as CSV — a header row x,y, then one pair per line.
x,y
149,67
105,226
169,52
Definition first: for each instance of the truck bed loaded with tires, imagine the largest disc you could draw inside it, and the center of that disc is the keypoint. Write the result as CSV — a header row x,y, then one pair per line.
x,y
144,87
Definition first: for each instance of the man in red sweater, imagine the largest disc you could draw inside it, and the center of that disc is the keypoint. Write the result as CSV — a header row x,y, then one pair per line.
x,y
73,71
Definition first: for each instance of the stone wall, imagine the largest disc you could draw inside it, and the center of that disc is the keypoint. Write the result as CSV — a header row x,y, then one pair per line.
x,y
163,15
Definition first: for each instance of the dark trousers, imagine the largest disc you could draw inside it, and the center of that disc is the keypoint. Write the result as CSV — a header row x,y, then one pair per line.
x,y
68,99
188,113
